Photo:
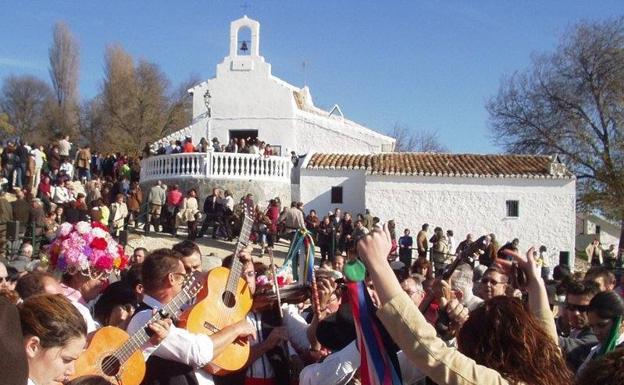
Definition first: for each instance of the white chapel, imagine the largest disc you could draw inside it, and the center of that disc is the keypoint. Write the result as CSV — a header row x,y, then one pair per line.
x,y
346,165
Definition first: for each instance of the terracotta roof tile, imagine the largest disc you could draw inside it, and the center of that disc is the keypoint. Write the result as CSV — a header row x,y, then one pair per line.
x,y
471,165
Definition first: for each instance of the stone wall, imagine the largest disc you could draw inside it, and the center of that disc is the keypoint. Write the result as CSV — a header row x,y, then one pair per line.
x,y
262,191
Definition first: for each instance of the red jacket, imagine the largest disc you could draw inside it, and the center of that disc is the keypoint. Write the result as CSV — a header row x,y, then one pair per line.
x,y
273,213
174,198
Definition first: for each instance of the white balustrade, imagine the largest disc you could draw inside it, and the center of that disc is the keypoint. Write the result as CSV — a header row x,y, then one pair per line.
x,y
222,165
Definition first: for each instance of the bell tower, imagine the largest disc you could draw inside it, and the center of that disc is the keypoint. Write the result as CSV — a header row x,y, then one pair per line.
x,y
244,44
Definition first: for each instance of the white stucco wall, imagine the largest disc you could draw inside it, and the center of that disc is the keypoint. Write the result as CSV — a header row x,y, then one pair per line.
x,y
478,206
244,95
315,190
609,232
333,135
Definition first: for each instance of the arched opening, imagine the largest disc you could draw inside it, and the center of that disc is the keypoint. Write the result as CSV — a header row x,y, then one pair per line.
x,y
243,37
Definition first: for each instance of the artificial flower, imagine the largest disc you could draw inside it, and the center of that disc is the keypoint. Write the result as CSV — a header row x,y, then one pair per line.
x,y
86,248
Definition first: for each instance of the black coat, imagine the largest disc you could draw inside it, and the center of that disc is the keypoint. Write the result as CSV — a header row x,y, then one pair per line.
x,y
212,206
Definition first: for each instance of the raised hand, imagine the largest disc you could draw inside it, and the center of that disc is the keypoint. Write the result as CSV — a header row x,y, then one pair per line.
x,y
442,290
326,288
374,247
457,313
525,263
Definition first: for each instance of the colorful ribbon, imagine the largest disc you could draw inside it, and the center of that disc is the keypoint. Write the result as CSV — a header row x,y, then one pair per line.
x,y
378,362
300,257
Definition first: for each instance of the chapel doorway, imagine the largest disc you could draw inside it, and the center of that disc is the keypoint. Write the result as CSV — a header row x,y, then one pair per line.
x,y
244,134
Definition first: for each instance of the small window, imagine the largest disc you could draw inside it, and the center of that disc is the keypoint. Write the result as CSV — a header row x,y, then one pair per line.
x,y
512,209
336,194
597,229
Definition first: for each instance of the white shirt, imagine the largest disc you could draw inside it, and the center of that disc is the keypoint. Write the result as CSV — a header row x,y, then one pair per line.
x,y
472,302
229,202
79,303
64,147
195,350
451,244
61,195
38,155
68,168
86,314
338,368
297,328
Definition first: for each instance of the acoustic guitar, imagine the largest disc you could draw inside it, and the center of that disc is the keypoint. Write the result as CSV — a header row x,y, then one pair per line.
x,y
118,357
228,300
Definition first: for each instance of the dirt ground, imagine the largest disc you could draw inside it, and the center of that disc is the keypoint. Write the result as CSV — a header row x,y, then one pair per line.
x,y
213,250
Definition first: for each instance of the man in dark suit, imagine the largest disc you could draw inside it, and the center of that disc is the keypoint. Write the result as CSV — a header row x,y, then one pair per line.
x,y
212,208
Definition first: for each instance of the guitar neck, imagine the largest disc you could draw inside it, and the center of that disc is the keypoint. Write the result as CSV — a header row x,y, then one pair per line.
x,y
237,266
140,337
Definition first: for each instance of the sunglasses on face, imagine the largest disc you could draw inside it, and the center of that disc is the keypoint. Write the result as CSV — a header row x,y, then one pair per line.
x,y
579,308
491,282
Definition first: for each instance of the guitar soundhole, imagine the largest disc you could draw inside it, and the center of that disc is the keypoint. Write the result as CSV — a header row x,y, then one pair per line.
x,y
229,299
110,365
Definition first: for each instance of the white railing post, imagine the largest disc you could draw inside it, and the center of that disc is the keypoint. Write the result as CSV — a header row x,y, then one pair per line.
x,y
261,161
207,172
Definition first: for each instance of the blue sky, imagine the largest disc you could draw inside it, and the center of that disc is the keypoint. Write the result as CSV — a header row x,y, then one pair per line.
x,y
424,64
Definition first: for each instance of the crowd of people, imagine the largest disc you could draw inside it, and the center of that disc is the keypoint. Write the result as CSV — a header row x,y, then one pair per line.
x,y
497,319
43,186
247,145
469,312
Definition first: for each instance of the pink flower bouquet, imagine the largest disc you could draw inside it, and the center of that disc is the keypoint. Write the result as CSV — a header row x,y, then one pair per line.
x,y
86,248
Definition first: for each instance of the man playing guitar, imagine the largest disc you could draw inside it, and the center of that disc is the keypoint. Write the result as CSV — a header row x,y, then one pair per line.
x,y
178,358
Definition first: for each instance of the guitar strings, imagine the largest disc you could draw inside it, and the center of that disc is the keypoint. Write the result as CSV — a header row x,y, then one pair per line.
x,y
128,348
234,276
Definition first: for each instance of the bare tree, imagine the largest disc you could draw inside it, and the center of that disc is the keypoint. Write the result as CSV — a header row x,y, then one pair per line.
x,y
91,123
64,65
137,105
27,101
571,103
408,140
180,111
